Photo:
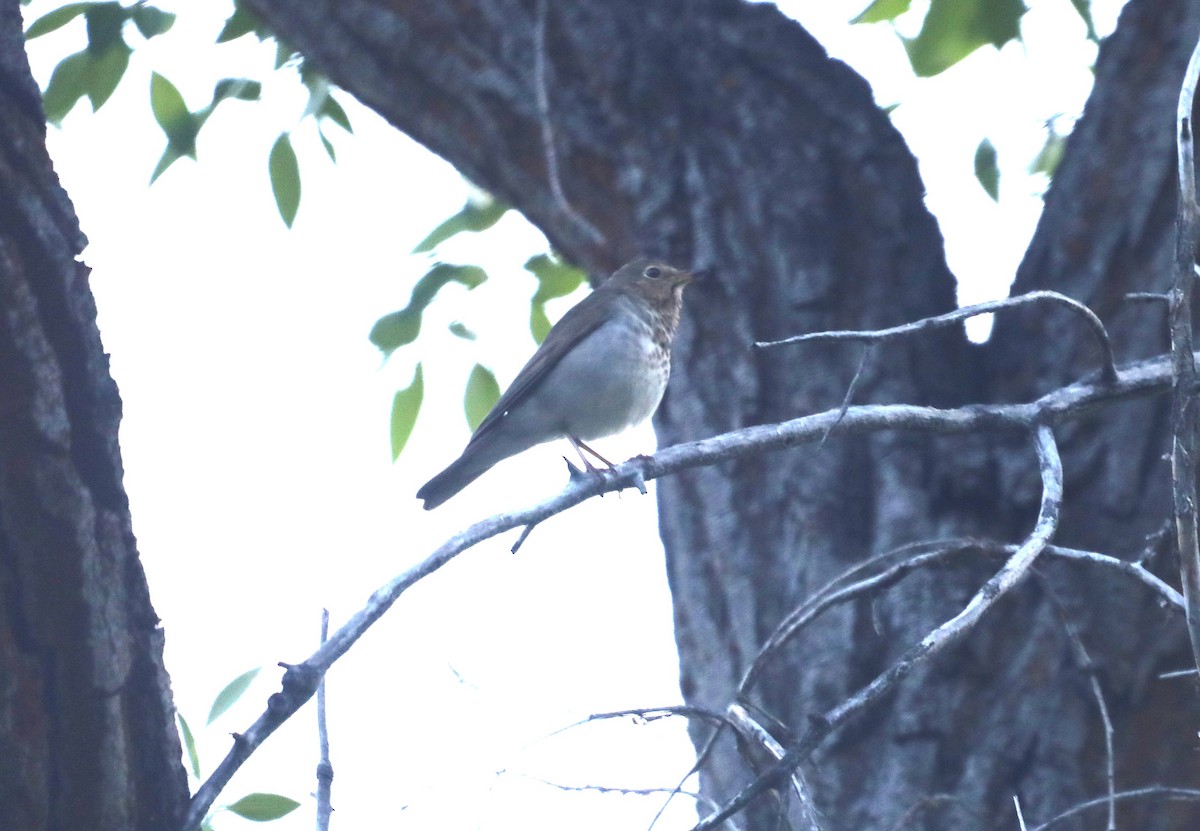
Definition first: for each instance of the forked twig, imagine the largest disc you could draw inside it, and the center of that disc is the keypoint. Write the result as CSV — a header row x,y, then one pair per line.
x,y
1108,370
949,633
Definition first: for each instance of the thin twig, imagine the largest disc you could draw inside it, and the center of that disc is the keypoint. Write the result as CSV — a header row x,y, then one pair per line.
x,y
606,789
1089,667
1157,791
324,768
1148,297
868,351
701,758
1020,816
888,569
548,145
1108,371
949,633
754,733
1183,363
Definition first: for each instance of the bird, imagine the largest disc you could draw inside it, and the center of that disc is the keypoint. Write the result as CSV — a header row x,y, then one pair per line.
x,y
602,368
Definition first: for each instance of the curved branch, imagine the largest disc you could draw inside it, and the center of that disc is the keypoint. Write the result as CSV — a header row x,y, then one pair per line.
x,y
949,633
300,681
887,569
1108,370
1173,794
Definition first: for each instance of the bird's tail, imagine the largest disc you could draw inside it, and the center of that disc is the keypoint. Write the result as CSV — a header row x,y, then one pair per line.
x,y
473,463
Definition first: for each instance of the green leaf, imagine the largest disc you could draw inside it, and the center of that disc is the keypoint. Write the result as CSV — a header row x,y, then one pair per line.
x,y
227,697
68,83
152,21
332,110
284,52
243,89
481,395
539,324
104,22
471,276
397,329
954,29
556,278
173,116
986,169
1084,9
107,69
327,144
285,178
405,407
882,10
1050,155
189,744
476,215
56,19
459,330
263,807
168,158
243,21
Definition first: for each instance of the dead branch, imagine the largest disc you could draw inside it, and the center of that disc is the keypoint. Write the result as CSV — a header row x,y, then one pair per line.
x,y
1149,377
949,633
1156,792
1108,370
885,570
1085,660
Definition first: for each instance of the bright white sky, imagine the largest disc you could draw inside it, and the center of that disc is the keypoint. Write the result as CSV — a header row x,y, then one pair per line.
x,y
256,447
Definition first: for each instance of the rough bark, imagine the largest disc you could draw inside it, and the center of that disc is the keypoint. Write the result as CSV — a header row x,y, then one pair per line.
x,y
719,135
87,735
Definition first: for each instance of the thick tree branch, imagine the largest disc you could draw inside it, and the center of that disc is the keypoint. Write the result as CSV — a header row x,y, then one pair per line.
x,y
1183,362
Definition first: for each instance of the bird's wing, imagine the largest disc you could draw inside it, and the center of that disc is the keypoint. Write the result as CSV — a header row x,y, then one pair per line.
x,y
580,321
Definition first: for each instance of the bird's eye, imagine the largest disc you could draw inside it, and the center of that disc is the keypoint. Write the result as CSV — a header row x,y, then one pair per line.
x,y
653,272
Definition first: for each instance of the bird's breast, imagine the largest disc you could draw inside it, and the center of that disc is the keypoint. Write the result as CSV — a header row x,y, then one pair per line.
x,y
613,379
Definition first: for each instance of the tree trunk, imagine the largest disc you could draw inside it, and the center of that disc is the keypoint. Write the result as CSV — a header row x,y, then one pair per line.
x,y
87,733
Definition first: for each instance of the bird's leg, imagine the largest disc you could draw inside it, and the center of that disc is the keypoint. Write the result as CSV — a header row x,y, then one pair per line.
x,y
580,447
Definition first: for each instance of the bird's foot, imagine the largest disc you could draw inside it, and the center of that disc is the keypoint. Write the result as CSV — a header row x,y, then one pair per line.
x,y
591,472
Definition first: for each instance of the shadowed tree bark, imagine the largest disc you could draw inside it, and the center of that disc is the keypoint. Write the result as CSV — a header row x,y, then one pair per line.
x,y
719,135
87,733
716,134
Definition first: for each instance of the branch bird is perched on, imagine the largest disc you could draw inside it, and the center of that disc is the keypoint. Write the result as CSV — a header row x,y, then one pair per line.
x,y
602,368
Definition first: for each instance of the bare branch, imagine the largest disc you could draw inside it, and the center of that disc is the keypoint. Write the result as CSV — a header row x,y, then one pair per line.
x,y
1156,792
324,767
949,633
1108,368
888,569
1183,362
1020,816
1089,667
754,733
299,683
549,148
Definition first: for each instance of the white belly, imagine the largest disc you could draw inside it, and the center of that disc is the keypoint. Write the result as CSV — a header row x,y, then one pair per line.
x,y
614,379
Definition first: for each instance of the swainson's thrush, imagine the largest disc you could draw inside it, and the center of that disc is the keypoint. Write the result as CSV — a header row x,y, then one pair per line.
x,y
602,368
